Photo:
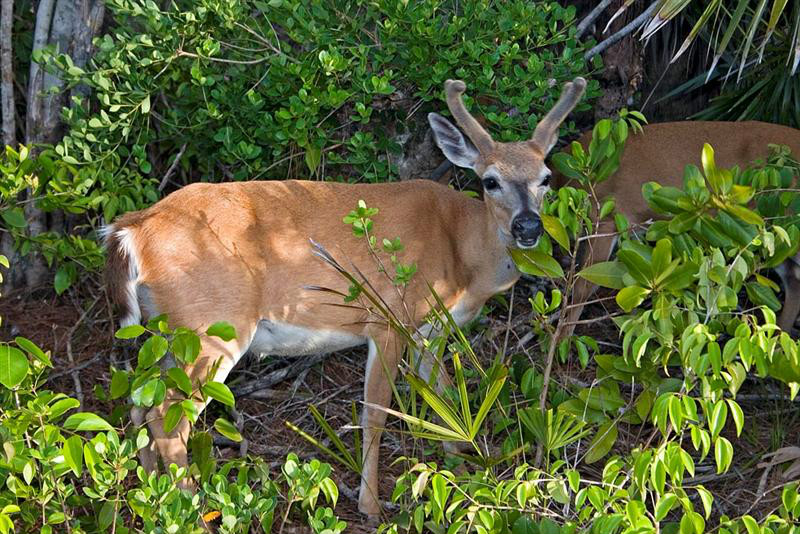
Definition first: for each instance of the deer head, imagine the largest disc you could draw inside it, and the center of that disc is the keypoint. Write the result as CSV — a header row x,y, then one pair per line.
x,y
514,175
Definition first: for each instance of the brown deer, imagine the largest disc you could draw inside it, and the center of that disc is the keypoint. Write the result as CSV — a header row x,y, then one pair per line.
x,y
240,252
660,154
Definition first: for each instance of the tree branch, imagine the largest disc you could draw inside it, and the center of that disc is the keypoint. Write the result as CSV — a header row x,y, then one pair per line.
x,y
293,369
591,17
622,33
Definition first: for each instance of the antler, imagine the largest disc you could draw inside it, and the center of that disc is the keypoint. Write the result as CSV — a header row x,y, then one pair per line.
x,y
480,138
546,132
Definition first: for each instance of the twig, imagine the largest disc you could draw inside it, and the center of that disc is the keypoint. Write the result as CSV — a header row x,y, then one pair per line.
x,y
622,33
591,17
172,167
278,376
75,369
76,377
184,53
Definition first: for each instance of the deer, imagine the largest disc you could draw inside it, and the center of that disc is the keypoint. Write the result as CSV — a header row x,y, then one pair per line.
x,y
240,252
659,153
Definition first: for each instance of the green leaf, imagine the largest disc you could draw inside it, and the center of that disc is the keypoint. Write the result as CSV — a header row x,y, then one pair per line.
x,y
707,158
172,417
13,366
226,428
737,414
152,351
718,417
86,421
555,228
106,515
536,263
662,256
723,454
602,442
745,215
608,207
219,392
60,407
14,217
119,384
62,280
631,296
664,505
639,268
130,332
181,379
751,525
73,454
605,274
31,348
223,330
313,158
706,498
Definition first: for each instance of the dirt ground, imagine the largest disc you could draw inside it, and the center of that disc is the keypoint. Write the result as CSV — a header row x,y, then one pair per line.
x,y
77,328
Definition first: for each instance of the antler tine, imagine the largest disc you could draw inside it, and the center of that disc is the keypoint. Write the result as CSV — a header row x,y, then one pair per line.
x,y
480,138
546,132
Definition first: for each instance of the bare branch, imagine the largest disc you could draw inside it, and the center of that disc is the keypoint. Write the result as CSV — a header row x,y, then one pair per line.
x,y
622,33
592,16
172,167
278,376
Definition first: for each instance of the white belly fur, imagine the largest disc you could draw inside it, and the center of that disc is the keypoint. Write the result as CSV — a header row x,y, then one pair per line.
x,y
275,338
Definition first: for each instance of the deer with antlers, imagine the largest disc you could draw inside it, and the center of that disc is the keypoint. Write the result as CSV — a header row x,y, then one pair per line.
x,y
240,252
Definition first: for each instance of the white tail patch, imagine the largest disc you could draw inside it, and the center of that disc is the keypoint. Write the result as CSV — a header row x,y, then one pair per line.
x,y
125,238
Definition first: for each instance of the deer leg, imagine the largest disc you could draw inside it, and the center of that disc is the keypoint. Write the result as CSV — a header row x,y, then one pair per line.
x,y
384,355
597,249
172,446
148,456
789,272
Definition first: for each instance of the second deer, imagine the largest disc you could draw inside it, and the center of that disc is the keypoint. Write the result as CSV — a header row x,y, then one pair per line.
x,y
659,154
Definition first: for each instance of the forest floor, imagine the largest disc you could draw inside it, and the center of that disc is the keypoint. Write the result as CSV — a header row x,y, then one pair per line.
x,y
77,328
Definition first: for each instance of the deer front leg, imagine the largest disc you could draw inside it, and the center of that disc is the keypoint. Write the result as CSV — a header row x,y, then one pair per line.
x,y
383,357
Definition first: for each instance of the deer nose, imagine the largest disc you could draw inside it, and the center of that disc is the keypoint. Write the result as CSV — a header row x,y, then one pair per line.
x,y
526,229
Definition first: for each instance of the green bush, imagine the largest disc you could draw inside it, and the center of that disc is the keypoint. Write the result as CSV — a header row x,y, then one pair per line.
x,y
67,471
698,322
294,88
241,90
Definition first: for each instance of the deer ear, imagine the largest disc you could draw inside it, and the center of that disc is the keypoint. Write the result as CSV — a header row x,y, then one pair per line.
x,y
457,148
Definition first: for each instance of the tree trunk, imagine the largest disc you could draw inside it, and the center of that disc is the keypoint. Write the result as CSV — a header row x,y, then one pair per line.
x,y
7,73
69,26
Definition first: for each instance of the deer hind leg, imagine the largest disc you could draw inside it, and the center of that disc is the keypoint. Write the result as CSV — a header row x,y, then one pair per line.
x,y
789,272
172,446
384,355
596,250
148,456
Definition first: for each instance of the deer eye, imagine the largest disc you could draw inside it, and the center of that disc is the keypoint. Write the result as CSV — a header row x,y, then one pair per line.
x,y
546,181
490,184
